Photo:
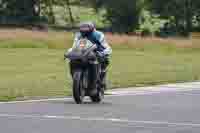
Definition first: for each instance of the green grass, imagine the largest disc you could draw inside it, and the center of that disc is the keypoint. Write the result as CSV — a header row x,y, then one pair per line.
x,y
40,72
140,68
22,44
28,73
34,68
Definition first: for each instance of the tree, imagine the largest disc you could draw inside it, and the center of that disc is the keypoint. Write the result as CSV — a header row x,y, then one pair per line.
x,y
70,11
47,10
123,15
197,15
19,12
180,12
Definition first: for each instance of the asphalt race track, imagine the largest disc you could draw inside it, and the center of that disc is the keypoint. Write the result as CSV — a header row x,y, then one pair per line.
x,y
161,109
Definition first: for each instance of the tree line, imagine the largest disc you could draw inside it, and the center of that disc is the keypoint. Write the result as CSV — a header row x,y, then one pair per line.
x,y
182,16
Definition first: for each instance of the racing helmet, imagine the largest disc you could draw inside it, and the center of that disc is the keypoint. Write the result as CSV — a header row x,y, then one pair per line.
x,y
86,28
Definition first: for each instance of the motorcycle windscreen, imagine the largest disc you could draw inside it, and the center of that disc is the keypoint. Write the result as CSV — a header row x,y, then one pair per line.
x,y
82,45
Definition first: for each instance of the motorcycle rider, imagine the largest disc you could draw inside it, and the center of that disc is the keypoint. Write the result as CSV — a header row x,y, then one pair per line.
x,y
104,51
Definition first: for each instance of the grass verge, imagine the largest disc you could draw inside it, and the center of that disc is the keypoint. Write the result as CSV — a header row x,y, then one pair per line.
x,y
33,66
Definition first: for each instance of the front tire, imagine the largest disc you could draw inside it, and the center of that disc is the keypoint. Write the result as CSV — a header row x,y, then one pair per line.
x,y
78,90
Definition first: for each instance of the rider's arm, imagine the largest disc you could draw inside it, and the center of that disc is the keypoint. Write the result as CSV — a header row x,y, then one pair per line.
x,y
104,43
76,38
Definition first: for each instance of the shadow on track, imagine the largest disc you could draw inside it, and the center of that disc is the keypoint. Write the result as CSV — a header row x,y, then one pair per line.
x,y
88,103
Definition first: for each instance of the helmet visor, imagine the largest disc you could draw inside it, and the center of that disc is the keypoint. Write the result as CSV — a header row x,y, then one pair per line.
x,y
85,28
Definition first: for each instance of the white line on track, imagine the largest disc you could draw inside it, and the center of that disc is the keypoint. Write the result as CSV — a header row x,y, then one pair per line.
x,y
112,120
69,98
114,94
40,100
148,92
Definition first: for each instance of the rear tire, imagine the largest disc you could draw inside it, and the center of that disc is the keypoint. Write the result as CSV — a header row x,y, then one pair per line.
x,y
78,90
98,97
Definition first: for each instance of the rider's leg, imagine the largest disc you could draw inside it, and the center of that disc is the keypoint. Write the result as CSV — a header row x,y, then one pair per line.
x,y
104,67
93,79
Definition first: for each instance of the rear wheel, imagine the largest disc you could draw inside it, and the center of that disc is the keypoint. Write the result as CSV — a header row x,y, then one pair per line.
x,y
97,98
78,90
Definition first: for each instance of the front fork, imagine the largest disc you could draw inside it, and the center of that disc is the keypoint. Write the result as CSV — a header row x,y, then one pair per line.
x,y
91,74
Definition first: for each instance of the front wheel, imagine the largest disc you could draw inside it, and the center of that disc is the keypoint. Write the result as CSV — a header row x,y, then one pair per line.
x,y
78,90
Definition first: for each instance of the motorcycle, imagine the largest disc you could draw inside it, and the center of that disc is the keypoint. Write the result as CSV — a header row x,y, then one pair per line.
x,y
85,68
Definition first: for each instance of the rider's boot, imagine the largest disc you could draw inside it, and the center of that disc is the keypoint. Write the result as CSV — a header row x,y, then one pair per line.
x,y
103,79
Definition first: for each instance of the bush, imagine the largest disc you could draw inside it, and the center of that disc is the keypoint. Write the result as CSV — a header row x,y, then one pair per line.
x,y
150,24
